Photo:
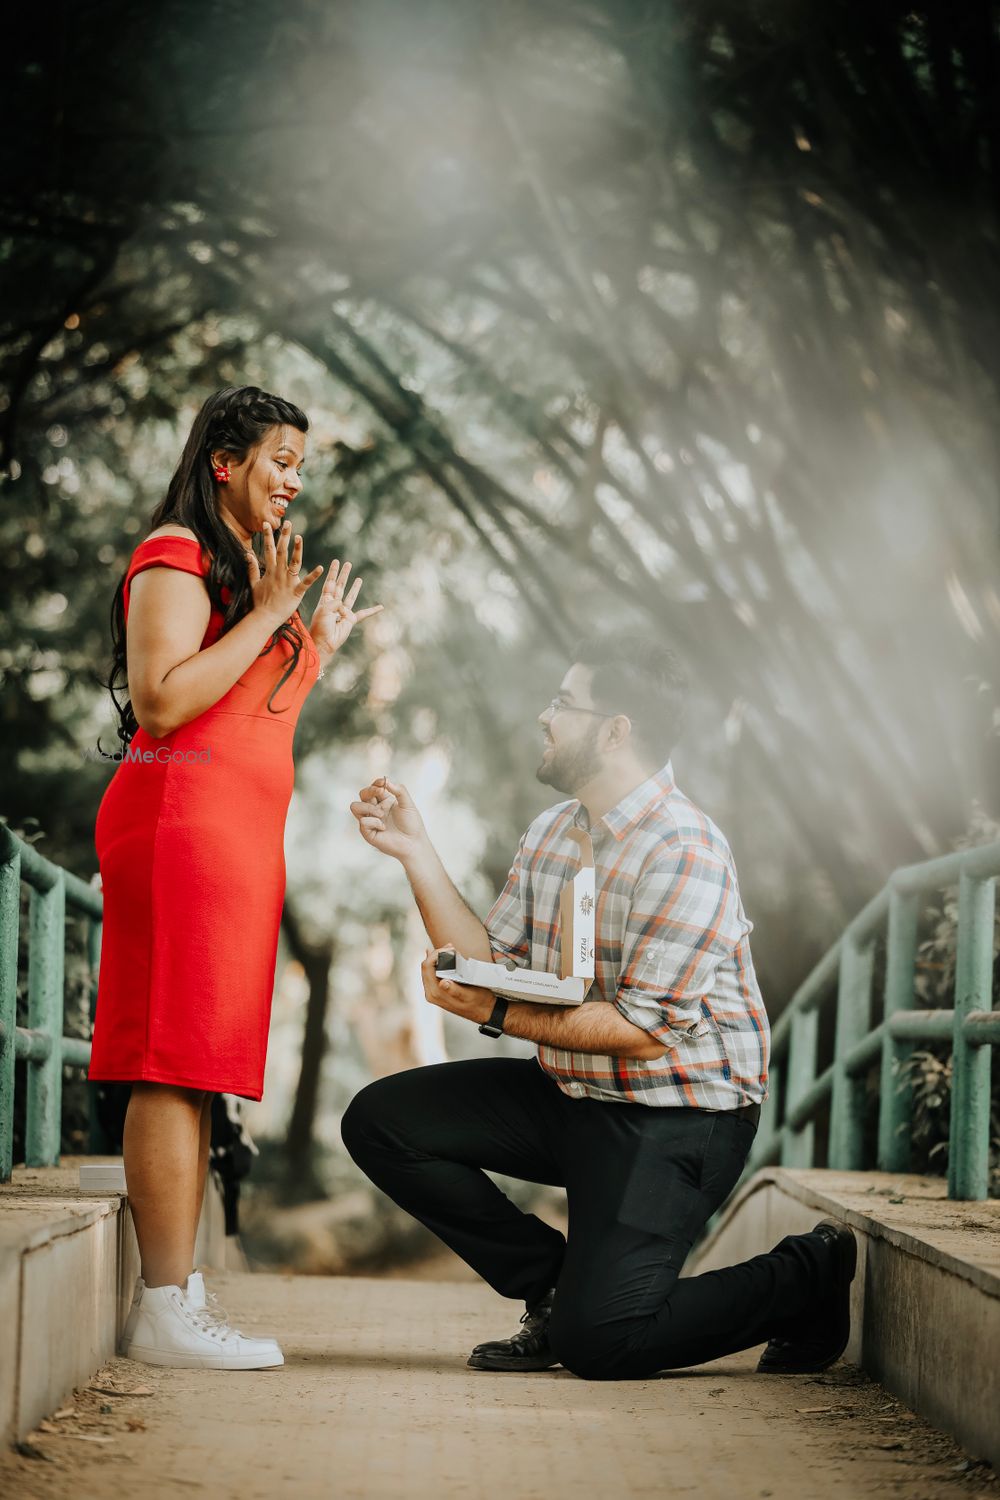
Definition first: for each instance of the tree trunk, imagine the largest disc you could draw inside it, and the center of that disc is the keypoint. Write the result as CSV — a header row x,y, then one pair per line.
x,y
316,959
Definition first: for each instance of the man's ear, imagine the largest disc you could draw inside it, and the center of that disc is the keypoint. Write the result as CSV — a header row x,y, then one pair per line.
x,y
621,731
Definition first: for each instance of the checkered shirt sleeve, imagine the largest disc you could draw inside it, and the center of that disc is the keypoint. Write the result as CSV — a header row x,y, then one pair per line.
x,y
686,919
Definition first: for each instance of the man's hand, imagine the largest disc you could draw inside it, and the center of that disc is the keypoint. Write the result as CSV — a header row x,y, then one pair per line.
x,y
466,1000
389,821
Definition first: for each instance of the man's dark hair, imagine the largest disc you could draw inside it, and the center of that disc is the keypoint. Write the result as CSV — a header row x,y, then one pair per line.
x,y
635,674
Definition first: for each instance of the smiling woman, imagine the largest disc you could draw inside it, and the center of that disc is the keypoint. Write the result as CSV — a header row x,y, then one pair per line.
x,y
244,451
191,843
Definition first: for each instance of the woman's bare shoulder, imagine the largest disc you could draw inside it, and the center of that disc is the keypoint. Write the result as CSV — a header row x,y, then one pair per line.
x,y
171,530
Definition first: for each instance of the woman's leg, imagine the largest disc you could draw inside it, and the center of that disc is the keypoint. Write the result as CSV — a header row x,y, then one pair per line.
x,y
164,1130
204,1147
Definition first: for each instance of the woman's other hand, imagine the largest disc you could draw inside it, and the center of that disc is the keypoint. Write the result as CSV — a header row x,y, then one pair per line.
x,y
282,587
335,616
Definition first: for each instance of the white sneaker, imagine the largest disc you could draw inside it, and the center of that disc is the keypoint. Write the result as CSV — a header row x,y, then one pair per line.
x,y
169,1330
133,1313
197,1297
194,1290
208,1303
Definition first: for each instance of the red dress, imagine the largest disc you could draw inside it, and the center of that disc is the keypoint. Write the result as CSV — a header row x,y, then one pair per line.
x,y
190,844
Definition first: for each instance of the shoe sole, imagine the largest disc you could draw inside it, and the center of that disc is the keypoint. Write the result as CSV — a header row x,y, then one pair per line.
x,y
847,1254
175,1360
510,1366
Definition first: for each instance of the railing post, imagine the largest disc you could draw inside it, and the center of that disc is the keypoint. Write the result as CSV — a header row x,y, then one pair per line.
x,y
10,909
969,1135
46,953
99,1143
895,1103
854,1006
797,1146
770,1113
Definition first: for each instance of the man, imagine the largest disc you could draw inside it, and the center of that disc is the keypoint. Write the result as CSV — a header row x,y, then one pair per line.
x,y
643,1101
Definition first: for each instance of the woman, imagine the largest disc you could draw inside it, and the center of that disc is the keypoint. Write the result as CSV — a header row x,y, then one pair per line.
x,y
190,831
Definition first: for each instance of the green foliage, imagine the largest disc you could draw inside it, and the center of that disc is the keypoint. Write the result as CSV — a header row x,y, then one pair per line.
x,y
669,313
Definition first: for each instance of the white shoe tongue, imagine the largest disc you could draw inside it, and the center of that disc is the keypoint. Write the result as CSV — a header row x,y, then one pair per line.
x,y
195,1289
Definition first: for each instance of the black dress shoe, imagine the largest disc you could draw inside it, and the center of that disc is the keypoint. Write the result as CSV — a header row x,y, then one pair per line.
x,y
527,1350
821,1337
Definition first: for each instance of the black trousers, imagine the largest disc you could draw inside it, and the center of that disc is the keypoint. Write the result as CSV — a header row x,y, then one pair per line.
x,y
640,1182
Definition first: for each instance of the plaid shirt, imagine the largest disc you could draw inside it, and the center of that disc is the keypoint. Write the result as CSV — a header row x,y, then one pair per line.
x,y
671,948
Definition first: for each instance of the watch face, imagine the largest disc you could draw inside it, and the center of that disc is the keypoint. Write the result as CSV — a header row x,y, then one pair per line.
x,y
494,1026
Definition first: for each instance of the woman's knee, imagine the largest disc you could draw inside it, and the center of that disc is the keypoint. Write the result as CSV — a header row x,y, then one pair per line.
x,y
174,1095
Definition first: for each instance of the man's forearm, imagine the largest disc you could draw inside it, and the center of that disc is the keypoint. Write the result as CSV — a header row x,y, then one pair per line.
x,y
445,915
595,1026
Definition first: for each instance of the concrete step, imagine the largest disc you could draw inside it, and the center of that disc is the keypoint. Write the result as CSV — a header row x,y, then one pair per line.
x,y
68,1265
926,1299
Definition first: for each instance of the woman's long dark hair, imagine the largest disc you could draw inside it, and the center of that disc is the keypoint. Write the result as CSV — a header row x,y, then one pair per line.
x,y
235,420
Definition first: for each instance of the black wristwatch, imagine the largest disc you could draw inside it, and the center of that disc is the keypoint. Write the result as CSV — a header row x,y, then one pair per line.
x,y
494,1026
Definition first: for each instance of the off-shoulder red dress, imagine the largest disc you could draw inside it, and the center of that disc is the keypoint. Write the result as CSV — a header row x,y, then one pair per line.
x,y
190,841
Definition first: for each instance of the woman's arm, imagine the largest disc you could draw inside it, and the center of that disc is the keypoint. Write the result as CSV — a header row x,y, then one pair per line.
x,y
171,681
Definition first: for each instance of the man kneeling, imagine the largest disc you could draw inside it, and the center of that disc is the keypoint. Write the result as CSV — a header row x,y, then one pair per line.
x,y
643,1101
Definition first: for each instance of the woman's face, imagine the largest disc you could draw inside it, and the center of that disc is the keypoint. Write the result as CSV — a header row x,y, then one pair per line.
x,y
263,486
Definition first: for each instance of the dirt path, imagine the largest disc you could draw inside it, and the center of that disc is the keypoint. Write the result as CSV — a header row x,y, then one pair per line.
x,y
375,1401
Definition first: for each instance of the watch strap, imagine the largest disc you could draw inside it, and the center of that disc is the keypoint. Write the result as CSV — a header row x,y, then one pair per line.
x,y
494,1026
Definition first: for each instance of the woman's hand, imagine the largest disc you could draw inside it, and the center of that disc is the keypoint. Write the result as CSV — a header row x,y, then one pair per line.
x,y
280,591
335,616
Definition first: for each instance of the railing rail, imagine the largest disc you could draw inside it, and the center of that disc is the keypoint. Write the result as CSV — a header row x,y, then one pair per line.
x,y
846,971
47,1051
797,1092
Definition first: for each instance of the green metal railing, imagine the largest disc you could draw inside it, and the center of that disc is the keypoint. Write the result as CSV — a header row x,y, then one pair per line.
x,y
797,1095
41,1042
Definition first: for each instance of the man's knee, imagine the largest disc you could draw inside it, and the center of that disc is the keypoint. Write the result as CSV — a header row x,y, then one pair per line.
x,y
592,1350
366,1119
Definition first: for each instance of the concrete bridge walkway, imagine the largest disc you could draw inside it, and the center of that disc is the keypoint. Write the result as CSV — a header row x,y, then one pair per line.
x,y
375,1401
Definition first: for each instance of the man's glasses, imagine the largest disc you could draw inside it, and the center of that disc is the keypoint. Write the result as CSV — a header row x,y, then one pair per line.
x,y
559,705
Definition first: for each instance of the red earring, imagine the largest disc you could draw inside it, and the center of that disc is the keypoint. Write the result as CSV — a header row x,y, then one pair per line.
x,y
221,472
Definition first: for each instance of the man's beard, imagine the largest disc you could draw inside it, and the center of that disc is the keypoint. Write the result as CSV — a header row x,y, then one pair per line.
x,y
571,768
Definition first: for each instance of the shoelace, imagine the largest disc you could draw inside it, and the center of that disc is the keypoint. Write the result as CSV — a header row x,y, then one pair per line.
x,y
531,1317
535,1314
211,1319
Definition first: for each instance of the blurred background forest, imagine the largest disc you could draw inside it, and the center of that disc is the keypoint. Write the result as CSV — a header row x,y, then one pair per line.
x,y
682,313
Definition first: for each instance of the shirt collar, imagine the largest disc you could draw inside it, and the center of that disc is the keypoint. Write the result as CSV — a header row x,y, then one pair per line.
x,y
634,805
